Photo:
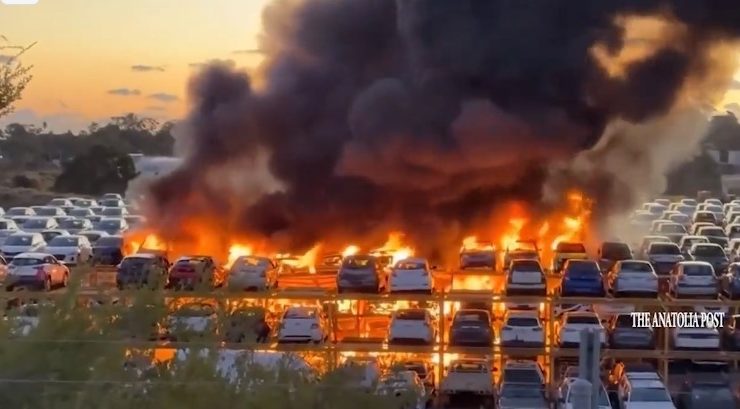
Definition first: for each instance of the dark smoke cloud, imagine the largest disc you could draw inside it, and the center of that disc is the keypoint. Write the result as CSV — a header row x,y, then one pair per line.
x,y
405,113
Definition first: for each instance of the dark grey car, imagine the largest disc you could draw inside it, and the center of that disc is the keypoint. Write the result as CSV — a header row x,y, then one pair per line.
x,y
711,253
623,335
517,396
359,273
471,328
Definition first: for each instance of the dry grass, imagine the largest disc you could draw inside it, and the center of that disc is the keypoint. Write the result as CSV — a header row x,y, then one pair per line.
x,y
14,196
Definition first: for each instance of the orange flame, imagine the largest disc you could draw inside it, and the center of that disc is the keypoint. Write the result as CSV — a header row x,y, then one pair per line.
x,y
511,236
236,251
395,247
350,250
308,259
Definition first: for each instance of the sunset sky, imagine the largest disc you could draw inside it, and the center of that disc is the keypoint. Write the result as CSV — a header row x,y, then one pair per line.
x,y
97,58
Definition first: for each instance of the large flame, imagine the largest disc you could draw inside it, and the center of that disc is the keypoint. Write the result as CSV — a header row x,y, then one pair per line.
x,y
235,251
350,250
309,258
512,234
395,247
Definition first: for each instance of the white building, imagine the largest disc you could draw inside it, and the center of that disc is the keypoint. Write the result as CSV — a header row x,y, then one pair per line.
x,y
154,166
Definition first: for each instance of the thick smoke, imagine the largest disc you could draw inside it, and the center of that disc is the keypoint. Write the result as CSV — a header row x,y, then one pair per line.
x,y
424,114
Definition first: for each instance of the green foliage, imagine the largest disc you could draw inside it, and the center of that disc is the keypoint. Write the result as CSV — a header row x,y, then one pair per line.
x,y
100,169
88,354
14,77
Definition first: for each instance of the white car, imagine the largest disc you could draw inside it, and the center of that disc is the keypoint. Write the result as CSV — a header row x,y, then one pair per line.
x,y
69,249
21,243
74,226
682,219
84,203
689,240
694,278
663,256
7,227
20,211
644,390
303,324
191,319
573,323
688,201
112,225
38,224
695,338
633,277
468,376
251,272
522,328
526,277
411,275
81,212
111,202
114,212
415,325
732,231
48,211
60,202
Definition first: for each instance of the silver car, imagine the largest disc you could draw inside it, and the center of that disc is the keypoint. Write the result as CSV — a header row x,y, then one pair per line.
x,y
633,277
693,278
252,273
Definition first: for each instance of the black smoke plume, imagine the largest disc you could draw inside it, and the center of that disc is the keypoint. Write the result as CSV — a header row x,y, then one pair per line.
x,y
420,114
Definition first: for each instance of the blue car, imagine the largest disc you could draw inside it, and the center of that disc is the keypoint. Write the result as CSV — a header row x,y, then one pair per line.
x,y
582,278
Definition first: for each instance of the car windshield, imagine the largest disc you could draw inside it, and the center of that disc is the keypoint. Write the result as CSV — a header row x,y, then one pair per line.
x,y
35,223
708,251
357,262
18,211
582,319
109,242
4,224
411,315
649,395
664,248
528,376
697,270
26,261
93,237
113,211
251,262
471,316
134,262
410,265
522,322
582,267
636,266
680,218
517,390
73,224
711,231
46,211
79,212
705,216
570,248
19,240
690,242
110,224
195,310
615,251
62,241
300,313
526,265
672,228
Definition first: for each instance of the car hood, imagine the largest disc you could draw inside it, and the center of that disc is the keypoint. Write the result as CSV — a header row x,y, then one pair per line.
x,y
60,250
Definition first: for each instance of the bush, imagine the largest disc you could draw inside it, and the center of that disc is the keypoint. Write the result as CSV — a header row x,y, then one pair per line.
x,y
24,181
101,169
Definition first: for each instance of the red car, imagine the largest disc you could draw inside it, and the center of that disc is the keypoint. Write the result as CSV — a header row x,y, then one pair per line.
x,y
190,272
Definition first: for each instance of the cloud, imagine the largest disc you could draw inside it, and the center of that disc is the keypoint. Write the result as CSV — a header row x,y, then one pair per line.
x,y
163,97
124,92
229,62
147,68
56,122
248,51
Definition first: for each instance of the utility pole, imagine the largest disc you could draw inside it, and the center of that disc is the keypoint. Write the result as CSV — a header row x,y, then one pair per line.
x,y
589,359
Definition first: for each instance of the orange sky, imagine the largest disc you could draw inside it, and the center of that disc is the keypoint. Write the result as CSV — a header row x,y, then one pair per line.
x,y
85,48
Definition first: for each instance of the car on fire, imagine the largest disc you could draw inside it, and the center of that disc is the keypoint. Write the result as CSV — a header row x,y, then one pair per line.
x,y
633,277
693,278
573,323
479,256
69,249
565,251
730,281
582,278
411,275
471,328
521,249
522,329
663,256
525,277
253,273
303,324
21,242
188,272
142,269
611,252
360,273
36,270
412,325
711,253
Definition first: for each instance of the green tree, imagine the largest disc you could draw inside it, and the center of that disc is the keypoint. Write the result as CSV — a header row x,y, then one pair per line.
x,y
101,169
14,76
